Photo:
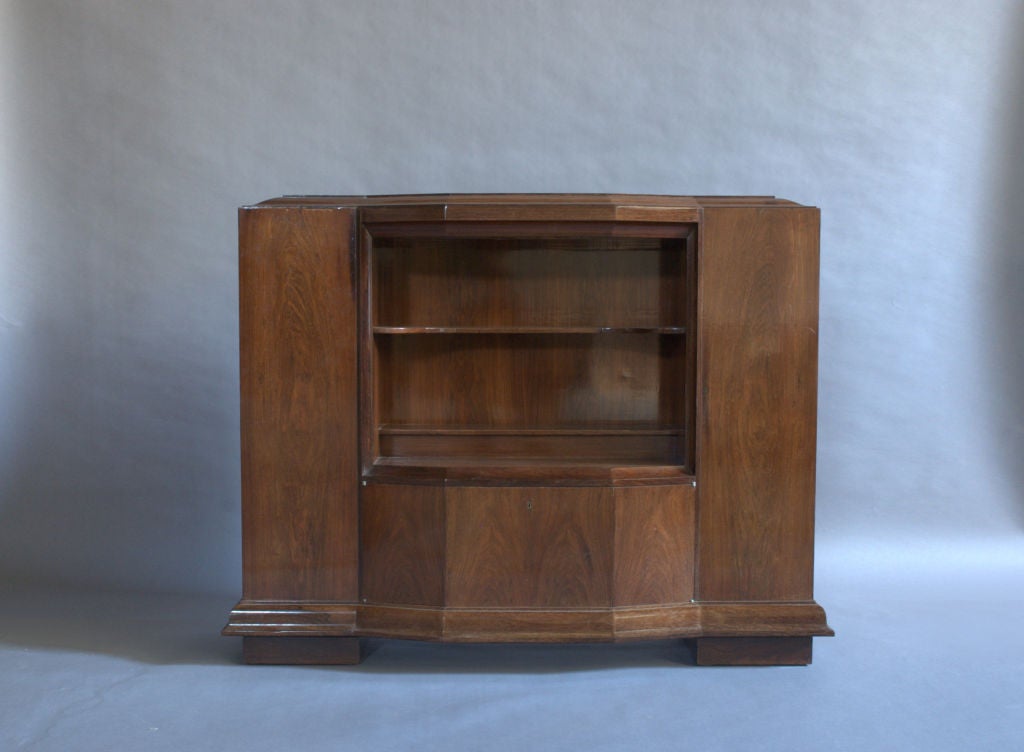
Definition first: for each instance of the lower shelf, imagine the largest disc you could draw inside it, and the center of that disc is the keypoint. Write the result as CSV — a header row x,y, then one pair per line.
x,y
545,471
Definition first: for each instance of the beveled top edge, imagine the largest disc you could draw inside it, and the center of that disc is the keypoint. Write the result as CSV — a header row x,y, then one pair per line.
x,y
592,199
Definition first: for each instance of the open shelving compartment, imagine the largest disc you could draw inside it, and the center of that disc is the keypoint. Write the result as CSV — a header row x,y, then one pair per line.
x,y
528,352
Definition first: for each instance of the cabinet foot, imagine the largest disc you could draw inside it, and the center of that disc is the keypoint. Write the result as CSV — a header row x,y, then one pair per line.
x,y
751,651
325,651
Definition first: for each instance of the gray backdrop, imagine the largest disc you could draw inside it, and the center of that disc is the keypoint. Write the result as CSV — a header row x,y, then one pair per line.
x,y
131,131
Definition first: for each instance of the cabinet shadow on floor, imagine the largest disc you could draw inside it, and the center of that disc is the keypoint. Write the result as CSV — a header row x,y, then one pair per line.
x,y
184,629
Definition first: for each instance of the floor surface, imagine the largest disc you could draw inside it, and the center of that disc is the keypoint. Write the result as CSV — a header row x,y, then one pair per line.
x,y
925,657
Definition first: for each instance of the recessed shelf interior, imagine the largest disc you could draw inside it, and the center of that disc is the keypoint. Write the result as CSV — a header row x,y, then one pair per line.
x,y
558,353
590,282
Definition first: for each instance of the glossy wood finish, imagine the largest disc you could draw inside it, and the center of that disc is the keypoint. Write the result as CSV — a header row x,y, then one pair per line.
x,y
402,540
538,335
544,283
508,624
534,471
654,542
300,469
530,380
528,418
517,547
757,376
537,547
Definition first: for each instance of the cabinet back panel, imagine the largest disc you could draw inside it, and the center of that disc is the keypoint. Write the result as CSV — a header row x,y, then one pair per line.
x,y
526,380
564,282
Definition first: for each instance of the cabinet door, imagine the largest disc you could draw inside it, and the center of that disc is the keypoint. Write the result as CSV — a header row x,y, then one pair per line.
x,y
529,547
402,544
654,542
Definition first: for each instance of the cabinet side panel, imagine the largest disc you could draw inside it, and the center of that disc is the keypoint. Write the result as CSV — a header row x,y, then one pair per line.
x,y
299,404
757,376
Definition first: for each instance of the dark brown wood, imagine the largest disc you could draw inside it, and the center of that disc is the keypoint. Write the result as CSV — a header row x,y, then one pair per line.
x,y
756,619
751,651
531,212
529,330
528,624
530,380
528,418
516,230
533,471
485,283
654,544
757,339
537,547
299,404
402,540
334,651
295,619
627,447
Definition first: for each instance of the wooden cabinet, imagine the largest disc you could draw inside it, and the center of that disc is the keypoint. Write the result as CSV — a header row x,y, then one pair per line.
x,y
528,418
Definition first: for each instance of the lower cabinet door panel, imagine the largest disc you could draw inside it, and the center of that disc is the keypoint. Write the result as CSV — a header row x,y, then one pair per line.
x,y
654,545
530,547
401,540
536,547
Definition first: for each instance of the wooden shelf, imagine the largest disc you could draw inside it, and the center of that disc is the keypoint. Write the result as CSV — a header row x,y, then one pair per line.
x,y
529,330
604,430
526,471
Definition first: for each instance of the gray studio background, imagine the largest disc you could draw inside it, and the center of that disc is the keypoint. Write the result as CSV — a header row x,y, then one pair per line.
x,y
131,131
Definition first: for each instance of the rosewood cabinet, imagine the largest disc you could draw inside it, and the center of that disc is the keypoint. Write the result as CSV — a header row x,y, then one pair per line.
x,y
519,418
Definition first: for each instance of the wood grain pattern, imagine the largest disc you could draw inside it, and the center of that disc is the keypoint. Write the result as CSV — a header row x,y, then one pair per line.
x,y
757,376
529,380
578,212
529,282
514,547
318,651
550,231
528,624
291,618
654,545
659,447
402,622
299,404
534,471
402,539
443,200
763,619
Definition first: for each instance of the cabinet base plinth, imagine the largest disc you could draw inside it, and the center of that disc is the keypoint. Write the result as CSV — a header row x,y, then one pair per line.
x,y
751,651
309,651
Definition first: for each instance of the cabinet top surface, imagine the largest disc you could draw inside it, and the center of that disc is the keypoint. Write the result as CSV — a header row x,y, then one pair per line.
x,y
608,200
